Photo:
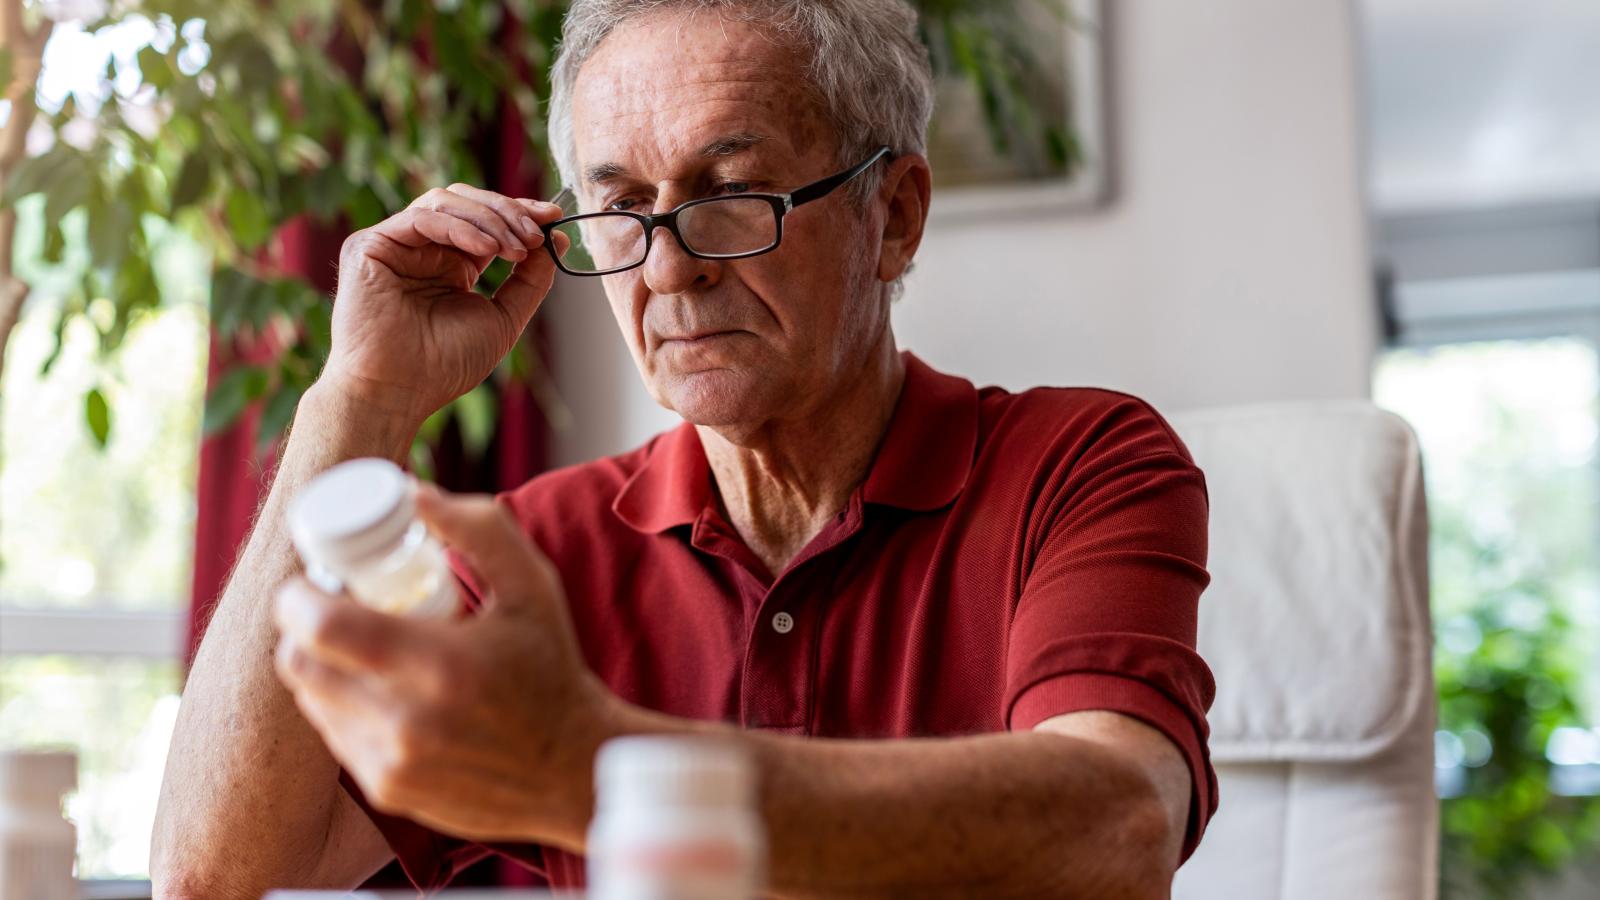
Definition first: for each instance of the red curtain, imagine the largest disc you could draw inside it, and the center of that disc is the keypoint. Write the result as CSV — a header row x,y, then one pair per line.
x,y
233,479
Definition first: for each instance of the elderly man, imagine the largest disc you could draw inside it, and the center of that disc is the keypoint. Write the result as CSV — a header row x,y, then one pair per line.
x,y
954,627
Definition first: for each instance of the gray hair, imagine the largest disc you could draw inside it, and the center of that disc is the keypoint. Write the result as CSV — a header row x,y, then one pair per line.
x,y
867,68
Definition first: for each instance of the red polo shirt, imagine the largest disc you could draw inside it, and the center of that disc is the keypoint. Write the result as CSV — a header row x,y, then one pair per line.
x,y
1009,558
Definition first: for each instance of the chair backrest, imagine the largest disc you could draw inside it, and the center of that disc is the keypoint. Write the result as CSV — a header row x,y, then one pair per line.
x,y
1316,626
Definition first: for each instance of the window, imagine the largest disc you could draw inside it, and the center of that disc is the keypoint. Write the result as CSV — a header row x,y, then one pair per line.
x,y
96,543
96,548
1496,363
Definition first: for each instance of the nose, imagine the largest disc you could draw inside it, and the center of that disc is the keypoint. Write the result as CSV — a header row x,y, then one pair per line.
x,y
669,270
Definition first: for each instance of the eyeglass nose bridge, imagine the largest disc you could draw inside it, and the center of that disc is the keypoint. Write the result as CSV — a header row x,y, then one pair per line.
x,y
669,221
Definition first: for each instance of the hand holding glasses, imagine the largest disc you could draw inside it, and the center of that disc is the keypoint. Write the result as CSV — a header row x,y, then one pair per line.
x,y
735,226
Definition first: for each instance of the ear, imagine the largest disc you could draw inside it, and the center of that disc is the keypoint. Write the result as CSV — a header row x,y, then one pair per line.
x,y
907,187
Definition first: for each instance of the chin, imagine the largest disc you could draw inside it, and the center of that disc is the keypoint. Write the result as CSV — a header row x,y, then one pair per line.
x,y
715,397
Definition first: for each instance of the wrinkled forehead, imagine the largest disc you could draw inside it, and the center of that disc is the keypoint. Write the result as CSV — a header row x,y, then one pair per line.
x,y
662,88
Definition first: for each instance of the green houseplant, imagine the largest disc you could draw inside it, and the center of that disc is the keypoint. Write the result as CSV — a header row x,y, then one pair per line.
x,y
247,115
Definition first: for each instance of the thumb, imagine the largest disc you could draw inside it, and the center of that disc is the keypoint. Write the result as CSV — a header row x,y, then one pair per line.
x,y
524,290
484,533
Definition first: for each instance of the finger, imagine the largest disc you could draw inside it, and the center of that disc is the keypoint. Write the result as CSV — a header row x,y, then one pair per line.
x,y
514,214
485,218
417,226
545,213
542,211
524,290
487,537
338,631
338,707
306,676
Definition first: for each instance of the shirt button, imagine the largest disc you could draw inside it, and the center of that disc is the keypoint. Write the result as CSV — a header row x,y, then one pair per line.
x,y
783,623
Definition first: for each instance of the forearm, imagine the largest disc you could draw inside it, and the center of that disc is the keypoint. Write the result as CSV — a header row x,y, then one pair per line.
x,y
245,770
1002,815
1009,815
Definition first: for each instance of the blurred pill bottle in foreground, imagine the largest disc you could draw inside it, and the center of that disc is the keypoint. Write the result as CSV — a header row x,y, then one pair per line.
x,y
675,819
356,528
37,845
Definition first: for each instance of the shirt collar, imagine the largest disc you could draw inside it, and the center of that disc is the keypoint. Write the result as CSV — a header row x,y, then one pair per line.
x,y
922,463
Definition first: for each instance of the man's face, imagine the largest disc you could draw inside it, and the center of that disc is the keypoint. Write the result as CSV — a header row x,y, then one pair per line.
x,y
675,107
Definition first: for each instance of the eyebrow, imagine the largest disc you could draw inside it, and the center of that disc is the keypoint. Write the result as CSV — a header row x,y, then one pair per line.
x,y
727,145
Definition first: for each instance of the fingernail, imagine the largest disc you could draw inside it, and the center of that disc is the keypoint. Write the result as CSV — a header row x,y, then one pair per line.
x,y
527,225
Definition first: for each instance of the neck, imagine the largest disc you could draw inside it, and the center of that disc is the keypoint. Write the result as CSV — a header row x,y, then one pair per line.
x,y
781,482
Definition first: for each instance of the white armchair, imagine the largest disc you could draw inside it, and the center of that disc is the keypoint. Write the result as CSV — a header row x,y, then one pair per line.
x,y
1316,626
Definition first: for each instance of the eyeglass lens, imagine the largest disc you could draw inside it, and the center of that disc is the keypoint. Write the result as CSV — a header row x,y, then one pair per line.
x,y
723,227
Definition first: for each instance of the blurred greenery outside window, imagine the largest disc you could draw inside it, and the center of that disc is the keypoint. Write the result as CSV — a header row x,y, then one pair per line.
x,y
1508,432
88,531
99,536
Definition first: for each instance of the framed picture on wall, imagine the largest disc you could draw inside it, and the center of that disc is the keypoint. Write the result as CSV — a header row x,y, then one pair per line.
x,y
1052,152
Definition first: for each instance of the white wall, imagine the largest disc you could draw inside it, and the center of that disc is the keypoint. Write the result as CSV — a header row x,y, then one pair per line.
x,y
1231,265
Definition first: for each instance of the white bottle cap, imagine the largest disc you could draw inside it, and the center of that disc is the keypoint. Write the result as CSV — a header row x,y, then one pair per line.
x,y
353,511
653,771
34,777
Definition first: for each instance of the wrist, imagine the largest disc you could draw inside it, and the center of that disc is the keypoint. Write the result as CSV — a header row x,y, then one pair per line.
x,y
352,425
603,716
374,402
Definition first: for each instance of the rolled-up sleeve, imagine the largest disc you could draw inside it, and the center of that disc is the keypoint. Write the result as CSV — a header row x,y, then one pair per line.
x,y
1107,615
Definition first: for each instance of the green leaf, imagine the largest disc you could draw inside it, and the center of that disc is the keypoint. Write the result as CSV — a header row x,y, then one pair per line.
x,y
69,310
421,459
133,291
232,394
39,174
327,191
230,290
111,225
248,218
70,190
238,300
97,414
317,322
67,112
55,243
192,181
475,413
275,415
364,208
259,72
154,68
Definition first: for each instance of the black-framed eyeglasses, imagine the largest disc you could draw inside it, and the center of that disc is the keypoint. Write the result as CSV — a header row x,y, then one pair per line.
x,y
735,226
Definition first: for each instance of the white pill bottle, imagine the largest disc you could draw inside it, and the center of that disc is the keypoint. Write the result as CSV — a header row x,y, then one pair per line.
x,y
675,819
38,847
356,528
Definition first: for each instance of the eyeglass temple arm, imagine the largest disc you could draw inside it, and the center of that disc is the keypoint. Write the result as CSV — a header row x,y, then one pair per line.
x,y
818,189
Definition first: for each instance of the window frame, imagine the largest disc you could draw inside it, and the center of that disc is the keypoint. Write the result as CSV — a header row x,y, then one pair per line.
x,y
97,631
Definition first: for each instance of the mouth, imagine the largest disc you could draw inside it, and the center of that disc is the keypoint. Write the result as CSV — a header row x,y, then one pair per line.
x,y
704,337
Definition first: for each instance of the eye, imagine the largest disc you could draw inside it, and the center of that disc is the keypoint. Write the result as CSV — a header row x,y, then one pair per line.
x,y
733,187
626,204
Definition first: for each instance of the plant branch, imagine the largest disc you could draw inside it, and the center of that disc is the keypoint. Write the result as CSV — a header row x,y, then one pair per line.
x,y
26,48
